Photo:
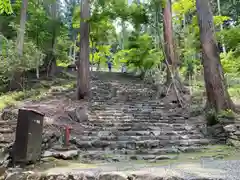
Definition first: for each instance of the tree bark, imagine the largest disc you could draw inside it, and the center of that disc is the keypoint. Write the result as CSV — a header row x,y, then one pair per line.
x,y
16,81
21,32
83,84
53,61
169,41
172,78
217,95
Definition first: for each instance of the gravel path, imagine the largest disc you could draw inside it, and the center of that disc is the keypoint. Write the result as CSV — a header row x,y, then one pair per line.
x,y
207,169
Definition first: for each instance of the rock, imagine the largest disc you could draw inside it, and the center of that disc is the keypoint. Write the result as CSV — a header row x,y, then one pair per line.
x,y
114,92
230,128
165,157
71,154
133,157
234,137
149,157
80,144
23,176
217,129
66,155
237,133
79,114
9,114
188,127
6,130
104,133
113,175
233,142
94,156
99,143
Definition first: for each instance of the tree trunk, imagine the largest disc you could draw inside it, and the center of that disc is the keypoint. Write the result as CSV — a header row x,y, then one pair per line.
x,y
21,32
52,70
83,84
168,41
16,81
53,61
172,78
217,95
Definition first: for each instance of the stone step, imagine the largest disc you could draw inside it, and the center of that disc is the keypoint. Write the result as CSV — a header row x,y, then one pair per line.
x,y
133,120
153,133
131,155
2,123
135,114
130,115
127,104
138,115
6,138
113,157
125,119
141,138
148,128
145,125
156,151
6,130
133,145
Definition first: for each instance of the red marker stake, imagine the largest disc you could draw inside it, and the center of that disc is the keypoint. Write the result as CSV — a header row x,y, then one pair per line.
x,y
67,135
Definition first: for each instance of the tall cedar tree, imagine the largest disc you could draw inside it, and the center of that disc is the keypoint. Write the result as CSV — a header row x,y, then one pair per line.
x,y
83,79
217,95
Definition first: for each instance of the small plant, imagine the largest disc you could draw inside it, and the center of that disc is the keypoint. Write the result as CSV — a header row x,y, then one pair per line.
x,y
228,113
212,118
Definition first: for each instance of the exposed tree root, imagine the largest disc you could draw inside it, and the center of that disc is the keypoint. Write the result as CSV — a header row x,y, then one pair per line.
x,y
175,85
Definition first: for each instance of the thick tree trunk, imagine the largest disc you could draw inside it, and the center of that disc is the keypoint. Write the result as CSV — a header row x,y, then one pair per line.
x,y
217,95
52,70
168,32
172,79
20,38
53,63
83,84
169,42
16,81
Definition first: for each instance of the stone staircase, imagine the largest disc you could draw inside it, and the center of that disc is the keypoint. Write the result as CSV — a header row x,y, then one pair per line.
x,y
127,122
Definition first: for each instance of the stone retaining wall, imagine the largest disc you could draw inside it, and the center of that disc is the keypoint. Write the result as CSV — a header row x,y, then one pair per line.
x,y
233,133
150,174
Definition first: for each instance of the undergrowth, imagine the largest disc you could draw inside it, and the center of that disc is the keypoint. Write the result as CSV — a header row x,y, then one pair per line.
x,y
36,92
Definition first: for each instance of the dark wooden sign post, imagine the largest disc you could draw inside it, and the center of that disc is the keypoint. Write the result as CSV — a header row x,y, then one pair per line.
x,y
28,139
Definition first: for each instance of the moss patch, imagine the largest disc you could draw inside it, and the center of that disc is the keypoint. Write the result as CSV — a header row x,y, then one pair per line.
x,y
214,151
36,92
52,163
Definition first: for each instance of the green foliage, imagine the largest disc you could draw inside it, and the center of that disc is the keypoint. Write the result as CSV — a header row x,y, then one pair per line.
x,y
5,7
100,56
231,38
138,15
141,54
10,60
138,45
230,63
